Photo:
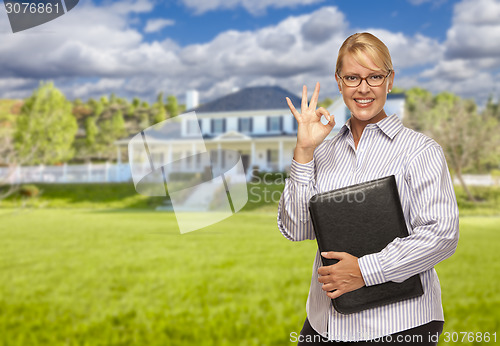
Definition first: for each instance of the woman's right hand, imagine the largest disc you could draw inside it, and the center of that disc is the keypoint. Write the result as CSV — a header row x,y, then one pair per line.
x,y
311,131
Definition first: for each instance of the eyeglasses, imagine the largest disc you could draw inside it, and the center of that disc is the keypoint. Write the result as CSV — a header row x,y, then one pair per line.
x,y
373,80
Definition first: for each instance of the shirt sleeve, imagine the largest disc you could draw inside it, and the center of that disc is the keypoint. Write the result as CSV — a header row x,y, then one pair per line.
x,y
293,214
433,217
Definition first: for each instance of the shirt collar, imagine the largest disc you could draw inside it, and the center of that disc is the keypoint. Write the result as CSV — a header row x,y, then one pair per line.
x,y
390,126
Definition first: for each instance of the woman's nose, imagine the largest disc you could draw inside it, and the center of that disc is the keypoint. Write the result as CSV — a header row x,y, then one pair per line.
x,y
364,87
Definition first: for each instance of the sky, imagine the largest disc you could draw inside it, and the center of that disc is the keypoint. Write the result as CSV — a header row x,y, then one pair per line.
x,y
143,47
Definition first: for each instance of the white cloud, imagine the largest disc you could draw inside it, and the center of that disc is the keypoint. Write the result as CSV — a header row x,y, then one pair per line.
x,y
477,12
253,6
475,30
94,50
407,51
435,3
131,6
154,25
450,71
470,52
418,2
97,49
323,24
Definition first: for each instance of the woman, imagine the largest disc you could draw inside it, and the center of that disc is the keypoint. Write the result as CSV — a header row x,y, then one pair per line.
x,y
371,145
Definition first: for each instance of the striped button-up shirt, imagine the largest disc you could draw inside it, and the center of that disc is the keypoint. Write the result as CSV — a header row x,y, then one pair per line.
x,y
429,206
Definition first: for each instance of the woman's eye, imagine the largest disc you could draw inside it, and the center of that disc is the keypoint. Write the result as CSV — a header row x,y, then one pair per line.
x,y
376,77
351,78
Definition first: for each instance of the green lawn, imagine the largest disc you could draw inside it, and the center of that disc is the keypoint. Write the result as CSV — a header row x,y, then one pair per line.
x,y
127,277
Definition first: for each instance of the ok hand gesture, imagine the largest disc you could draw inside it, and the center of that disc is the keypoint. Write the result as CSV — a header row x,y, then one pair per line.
x,y
310,132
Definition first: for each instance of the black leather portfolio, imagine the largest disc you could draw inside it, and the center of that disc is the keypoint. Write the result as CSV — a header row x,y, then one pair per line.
x,y
362,219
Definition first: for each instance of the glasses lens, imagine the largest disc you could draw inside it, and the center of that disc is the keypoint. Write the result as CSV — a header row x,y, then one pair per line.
x,y
352,81
375,80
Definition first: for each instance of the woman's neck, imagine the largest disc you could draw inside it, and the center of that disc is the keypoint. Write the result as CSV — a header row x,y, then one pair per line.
x,y
357,126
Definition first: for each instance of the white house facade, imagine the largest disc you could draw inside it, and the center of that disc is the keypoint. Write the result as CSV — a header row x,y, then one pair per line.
x,y
254,122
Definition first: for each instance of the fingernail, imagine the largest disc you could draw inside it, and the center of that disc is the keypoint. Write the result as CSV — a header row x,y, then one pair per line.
x,y
323,254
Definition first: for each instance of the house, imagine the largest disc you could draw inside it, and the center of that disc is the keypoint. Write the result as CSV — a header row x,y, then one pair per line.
x,y
255,122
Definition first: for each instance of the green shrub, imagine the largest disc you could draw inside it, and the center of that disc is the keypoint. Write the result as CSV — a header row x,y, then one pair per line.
x,y
29,190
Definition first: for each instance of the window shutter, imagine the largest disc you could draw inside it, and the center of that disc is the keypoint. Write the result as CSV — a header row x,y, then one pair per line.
x,y
239,124
251,124
295,124
281,124
212,125
268,124
199,124
268,155
223,125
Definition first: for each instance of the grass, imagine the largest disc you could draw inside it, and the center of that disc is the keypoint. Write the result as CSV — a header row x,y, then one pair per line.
x,y
470,281
93,264
262,196
111,277
129,278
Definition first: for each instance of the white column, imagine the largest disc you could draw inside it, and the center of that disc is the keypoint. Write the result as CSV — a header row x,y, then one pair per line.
x,y
280,157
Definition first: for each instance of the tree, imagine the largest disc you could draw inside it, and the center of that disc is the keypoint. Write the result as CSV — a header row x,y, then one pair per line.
x,y
8,155
464,135
159,112
46,127
172,106
492,109
470,140
91,131
419,103
109,131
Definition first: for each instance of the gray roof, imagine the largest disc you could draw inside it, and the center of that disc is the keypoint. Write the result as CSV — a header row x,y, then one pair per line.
x,y
248,99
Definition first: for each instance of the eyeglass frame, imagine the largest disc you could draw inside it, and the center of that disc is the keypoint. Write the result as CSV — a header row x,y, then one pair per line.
x,y
361,79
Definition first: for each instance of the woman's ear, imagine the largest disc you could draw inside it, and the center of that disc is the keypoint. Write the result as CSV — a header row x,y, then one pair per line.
x,y
391,81
339,83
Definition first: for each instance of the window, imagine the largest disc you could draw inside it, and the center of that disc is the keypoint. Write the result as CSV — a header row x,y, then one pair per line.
x,y
274,124
218,125
245,125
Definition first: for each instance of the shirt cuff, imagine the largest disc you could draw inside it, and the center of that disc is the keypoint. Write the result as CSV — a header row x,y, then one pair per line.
x,y
371,270
302,172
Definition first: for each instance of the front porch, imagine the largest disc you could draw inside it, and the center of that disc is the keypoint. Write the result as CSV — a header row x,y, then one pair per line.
x,y
269,153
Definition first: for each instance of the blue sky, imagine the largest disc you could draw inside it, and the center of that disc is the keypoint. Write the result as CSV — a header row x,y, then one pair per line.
x,y
142,47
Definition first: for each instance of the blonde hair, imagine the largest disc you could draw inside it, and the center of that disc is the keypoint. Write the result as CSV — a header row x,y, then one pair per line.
x,y
361,44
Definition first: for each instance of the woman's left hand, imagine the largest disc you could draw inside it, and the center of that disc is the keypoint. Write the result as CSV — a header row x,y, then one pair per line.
x,y
341,277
